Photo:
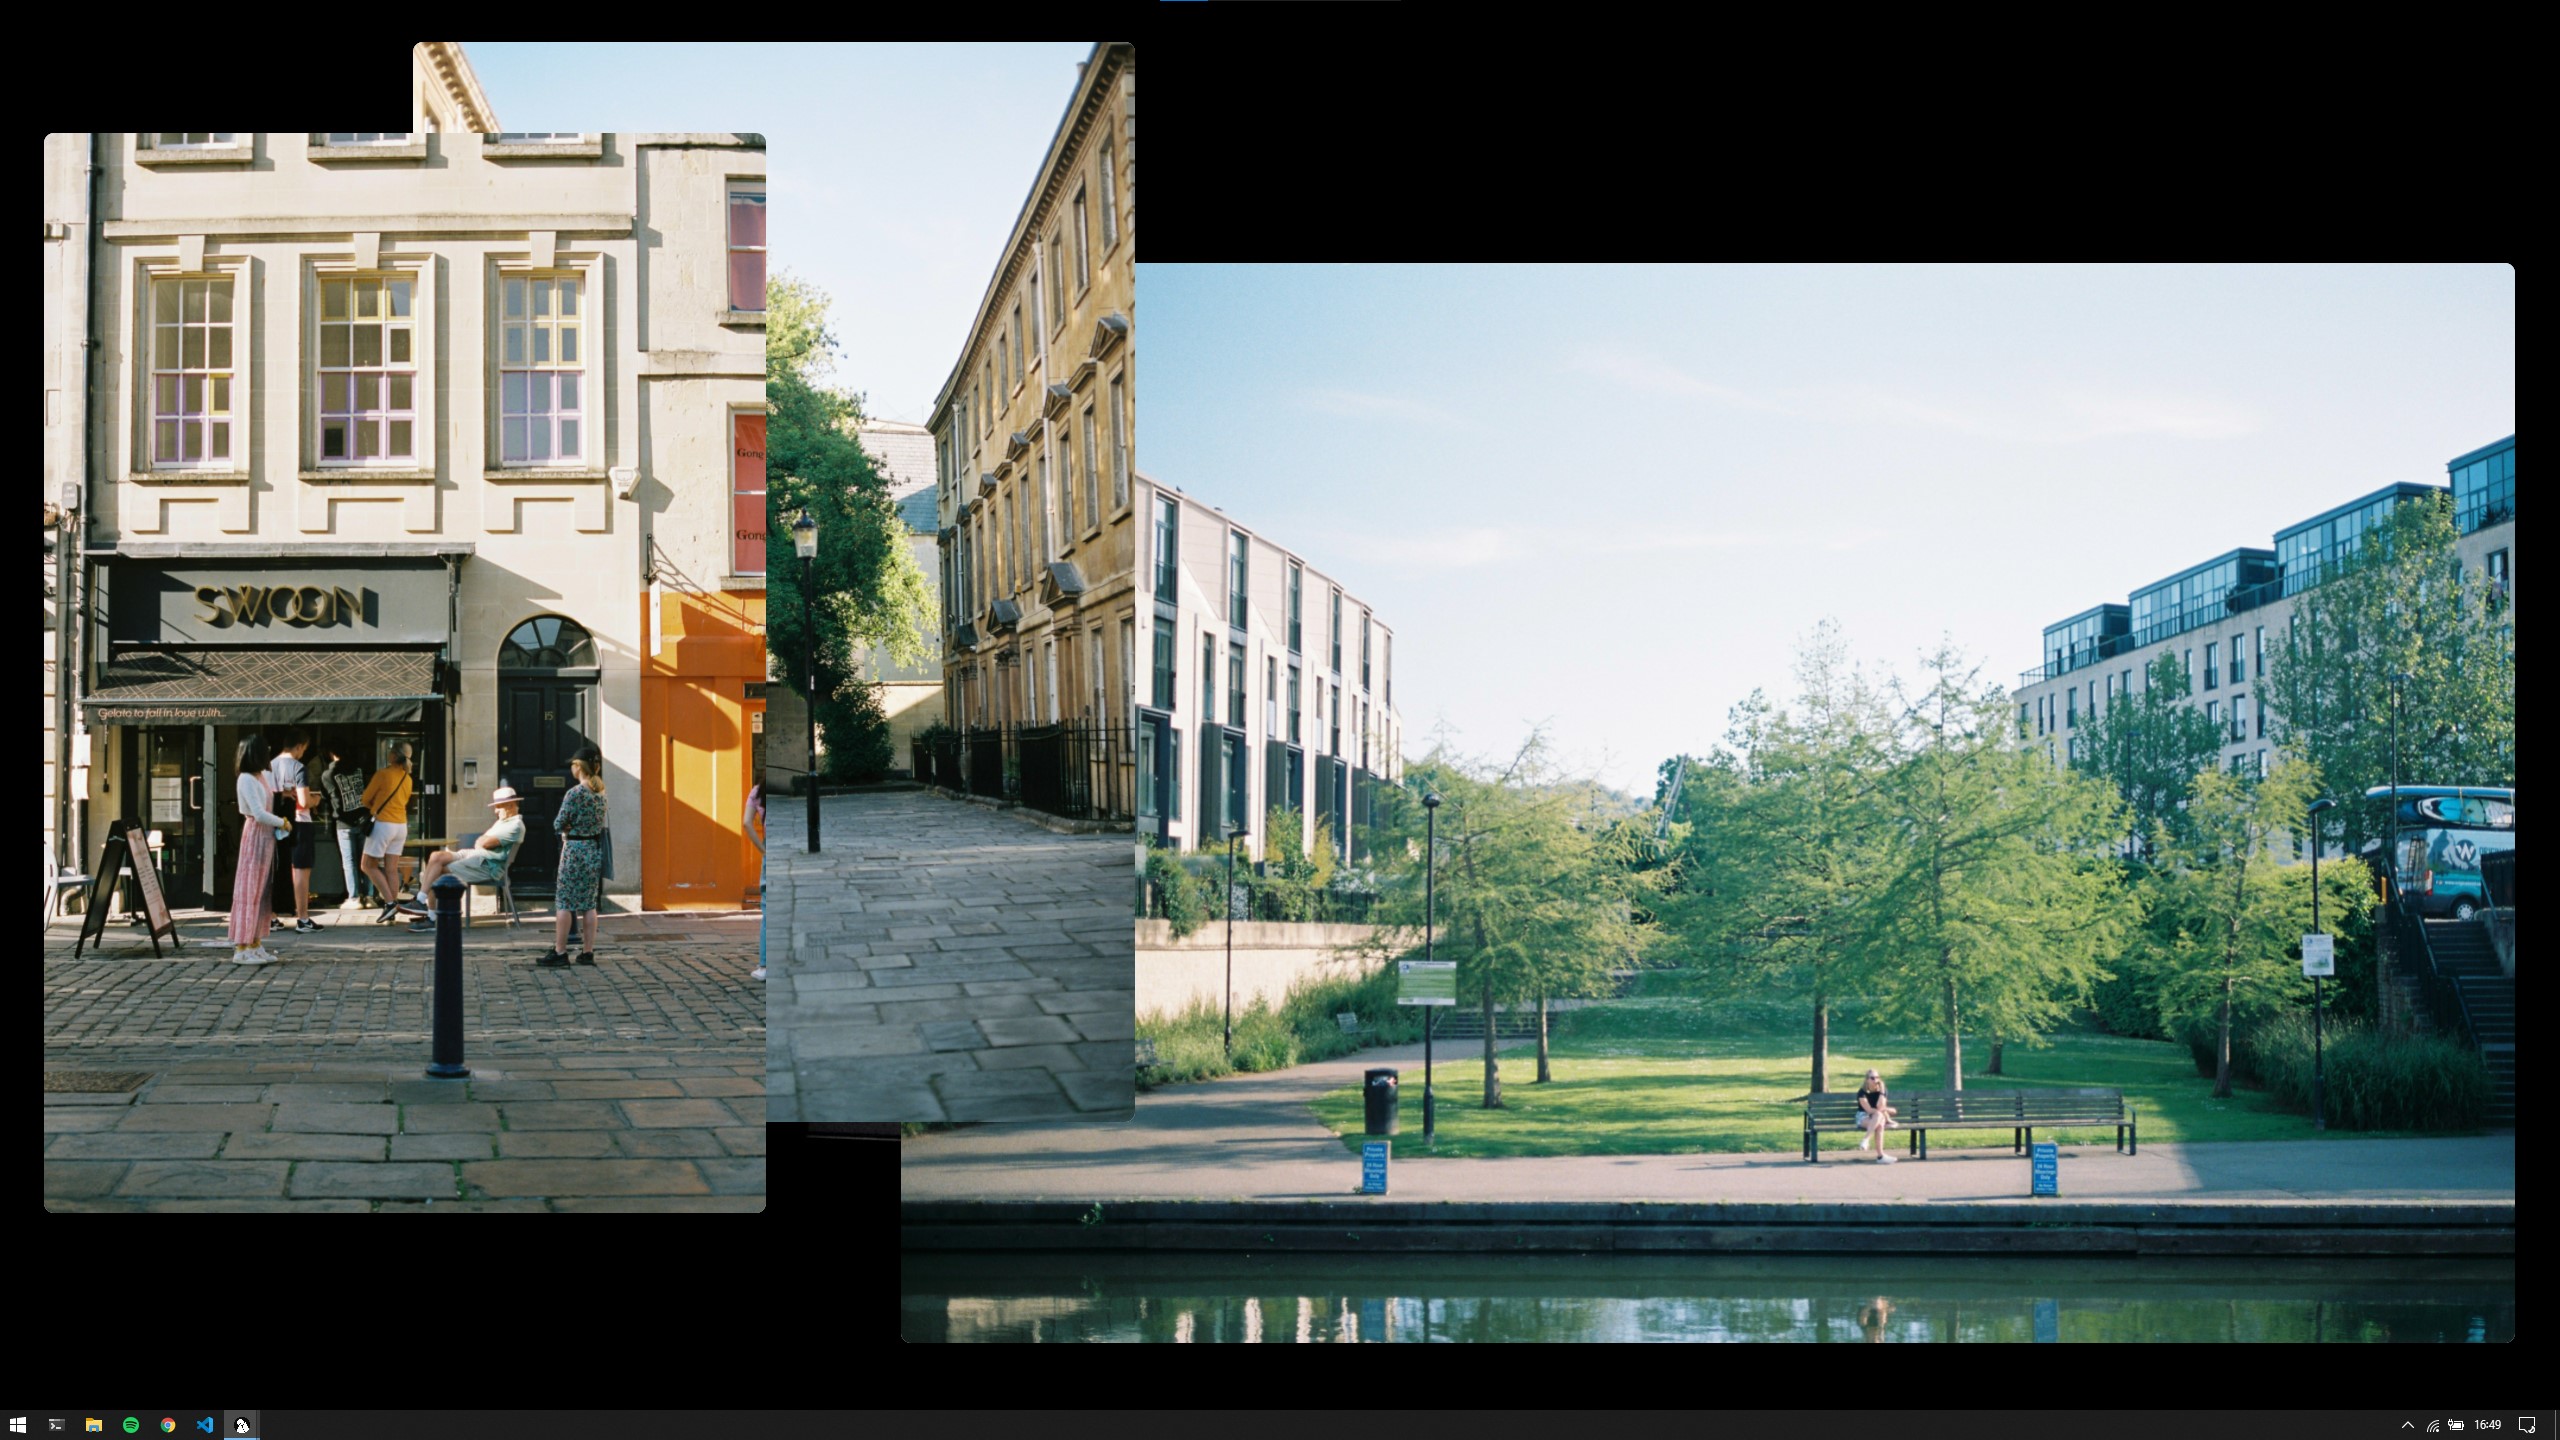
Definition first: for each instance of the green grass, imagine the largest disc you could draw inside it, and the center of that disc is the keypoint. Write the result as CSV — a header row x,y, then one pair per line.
x,y
1191,1045
1670,1076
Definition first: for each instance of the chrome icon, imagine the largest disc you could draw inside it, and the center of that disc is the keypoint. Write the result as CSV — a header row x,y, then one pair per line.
x,y
168,1425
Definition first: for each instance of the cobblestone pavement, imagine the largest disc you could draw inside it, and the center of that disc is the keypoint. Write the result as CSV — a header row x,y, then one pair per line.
x,y
632,1084
946,961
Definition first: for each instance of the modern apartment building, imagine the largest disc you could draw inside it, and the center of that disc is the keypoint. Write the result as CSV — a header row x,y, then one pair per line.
x,y
1035,430
450,439
1267,686
2222,618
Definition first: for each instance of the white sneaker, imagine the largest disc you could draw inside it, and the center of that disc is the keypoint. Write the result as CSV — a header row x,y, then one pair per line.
x,y
1863,1139
257,955
756,974
351,903
1889,1159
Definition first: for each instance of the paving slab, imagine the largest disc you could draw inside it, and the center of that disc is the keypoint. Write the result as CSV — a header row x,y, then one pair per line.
x,y
322,1179
457,1146
559,1179
203,1179
339,1119
291,1146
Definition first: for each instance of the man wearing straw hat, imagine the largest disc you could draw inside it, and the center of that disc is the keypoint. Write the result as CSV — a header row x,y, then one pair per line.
x,y
479,865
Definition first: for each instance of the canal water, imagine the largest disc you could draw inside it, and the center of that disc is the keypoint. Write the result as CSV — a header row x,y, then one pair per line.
x,y
1303,1298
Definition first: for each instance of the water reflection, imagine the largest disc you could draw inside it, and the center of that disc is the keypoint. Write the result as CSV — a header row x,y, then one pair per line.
x,y
1346,1299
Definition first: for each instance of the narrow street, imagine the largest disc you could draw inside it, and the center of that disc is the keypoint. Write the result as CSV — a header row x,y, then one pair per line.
x,y
939,960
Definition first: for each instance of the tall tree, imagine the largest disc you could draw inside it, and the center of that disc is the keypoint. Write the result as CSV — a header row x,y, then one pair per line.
x,y
1998,899
1781,857
2399,604
867,591
2223,924
2150,745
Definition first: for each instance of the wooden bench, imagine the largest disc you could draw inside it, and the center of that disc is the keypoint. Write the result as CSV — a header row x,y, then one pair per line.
x,y
1349,1020
2016,1111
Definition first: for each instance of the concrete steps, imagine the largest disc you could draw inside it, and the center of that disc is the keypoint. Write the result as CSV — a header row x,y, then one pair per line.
x,y
2463,954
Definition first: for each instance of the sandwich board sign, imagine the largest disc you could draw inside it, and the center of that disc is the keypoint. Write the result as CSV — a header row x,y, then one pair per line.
x,y
2319,956
1426,982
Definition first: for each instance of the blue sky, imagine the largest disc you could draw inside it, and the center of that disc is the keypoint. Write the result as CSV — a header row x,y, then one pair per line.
x,y
897,169
1610,499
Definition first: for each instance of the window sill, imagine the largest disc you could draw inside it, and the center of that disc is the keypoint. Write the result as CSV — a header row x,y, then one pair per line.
x,y
188,477
353,475
742,582
324,153
591,149
753,318
568,473
225,155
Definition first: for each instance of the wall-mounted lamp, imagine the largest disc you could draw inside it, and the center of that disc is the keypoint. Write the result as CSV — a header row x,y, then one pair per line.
x,y
626,480
470,774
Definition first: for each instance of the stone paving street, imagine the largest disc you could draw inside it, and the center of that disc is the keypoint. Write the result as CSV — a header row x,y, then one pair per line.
x,y
634,1084
946,961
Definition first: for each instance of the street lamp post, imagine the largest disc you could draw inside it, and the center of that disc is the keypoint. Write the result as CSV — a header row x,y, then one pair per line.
x,y
804,538
2319,1113
1227,903
1430,863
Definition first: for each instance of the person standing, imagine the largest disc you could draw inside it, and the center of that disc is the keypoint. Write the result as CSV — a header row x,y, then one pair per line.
x,y
342,790
386,799
755,832
581,823
292,781
260,826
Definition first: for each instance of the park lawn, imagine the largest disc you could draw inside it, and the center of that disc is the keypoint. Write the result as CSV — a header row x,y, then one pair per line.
x,y
1624,1087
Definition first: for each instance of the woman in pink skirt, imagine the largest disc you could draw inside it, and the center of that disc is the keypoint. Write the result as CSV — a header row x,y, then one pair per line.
x,y
260,828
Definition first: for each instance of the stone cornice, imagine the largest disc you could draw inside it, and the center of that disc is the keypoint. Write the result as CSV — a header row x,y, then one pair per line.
x,y
444,60
608,226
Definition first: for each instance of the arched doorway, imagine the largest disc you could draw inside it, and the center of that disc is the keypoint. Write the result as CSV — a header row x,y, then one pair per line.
x,y
546,710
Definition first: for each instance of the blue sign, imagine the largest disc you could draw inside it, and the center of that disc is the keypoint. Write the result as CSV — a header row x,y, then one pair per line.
x,y
1373,1167
2045,1165
2048,1322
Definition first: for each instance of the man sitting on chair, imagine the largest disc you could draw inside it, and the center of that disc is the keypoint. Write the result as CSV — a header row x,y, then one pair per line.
x,y
479,865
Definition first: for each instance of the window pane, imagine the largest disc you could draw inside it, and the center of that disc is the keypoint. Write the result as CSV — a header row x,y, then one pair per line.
x,y
165,396
165,440
542,297
399,393
368,392
538,441
515,439
164,307
195,299
400,345
333,299
222,301
194,403
569,343
538,393
399,438
746,280
192,351
515,345
191,439
568,297
167,351
569,393
368,439
333,394
220,338
220,448
333,440
368,344
568,438
222,394
541,344
514,401
333,344
746,219
399,297
368,299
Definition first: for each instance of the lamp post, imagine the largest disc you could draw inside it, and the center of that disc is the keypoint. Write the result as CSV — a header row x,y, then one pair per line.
x,y
1227,903
804,538
2319,1114
2391,827
1430,863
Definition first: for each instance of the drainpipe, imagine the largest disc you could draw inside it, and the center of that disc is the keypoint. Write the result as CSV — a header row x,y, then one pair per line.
x,y
72,536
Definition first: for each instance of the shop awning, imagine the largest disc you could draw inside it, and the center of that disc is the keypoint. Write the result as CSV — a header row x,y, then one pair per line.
x,y
263,687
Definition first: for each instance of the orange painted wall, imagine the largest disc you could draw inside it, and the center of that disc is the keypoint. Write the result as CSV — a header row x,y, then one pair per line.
x,y
695,748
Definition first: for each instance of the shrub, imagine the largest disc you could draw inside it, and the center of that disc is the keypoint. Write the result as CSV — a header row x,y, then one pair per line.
x,y
2128,1004
2374,1081
1300,1029
856,728
1179,897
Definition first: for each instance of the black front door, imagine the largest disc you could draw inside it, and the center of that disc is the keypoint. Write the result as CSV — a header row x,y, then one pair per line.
x,y
170,792
541,723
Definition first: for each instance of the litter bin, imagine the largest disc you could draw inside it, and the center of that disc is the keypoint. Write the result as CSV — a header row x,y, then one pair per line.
x,y
1381,1094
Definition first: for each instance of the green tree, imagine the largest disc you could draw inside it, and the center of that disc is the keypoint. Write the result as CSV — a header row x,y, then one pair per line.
x,y
857,732
1782,850
867,593
2400,605
1293,874
2225,933
1997,899
2150,745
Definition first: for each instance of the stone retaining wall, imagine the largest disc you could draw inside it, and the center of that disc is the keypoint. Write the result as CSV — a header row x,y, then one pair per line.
x,y
1269,958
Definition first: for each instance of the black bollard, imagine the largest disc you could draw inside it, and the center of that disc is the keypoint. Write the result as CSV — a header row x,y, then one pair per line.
x,y
447,1064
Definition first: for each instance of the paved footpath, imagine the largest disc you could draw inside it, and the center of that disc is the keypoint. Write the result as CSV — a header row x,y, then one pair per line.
x,y
1251,1137
946,961
634,1084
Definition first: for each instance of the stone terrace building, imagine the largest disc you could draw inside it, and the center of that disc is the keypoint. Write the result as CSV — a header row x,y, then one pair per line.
x,y
2221,618
1035,431
449,438
911,694
1268,686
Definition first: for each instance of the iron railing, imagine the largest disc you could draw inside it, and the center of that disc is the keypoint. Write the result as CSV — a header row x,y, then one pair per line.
x,y
1072,770
2452,1009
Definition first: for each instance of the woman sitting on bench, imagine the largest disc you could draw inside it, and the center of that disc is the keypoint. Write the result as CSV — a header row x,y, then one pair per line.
x,y
1874,1115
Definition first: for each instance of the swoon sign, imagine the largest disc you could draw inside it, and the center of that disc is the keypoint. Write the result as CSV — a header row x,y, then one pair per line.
x,y
225,605
363,600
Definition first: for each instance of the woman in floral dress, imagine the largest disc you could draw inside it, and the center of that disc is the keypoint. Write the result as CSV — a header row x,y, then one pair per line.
x,y
581,823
